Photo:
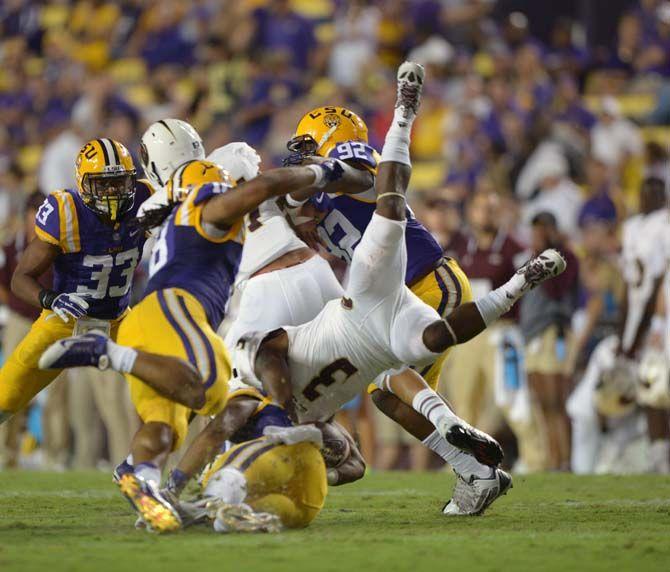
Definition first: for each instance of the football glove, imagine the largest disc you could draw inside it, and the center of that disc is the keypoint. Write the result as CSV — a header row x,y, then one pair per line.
x,y
66,306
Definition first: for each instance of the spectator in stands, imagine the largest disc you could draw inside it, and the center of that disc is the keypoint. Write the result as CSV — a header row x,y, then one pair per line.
x,y
614,139
546,314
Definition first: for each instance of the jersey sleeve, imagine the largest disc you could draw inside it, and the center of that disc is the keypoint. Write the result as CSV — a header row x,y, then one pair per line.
x,y
47,221
207,191
190,214
357,153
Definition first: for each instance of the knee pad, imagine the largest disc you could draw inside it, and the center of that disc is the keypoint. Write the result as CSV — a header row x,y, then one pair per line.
x,y
228,485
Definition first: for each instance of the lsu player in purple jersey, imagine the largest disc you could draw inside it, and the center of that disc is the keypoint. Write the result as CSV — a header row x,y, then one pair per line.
x,y
272,466
345,209
171,334
87,236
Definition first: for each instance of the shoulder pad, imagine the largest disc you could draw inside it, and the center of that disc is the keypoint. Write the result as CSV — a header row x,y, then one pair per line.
x,y
356,152
145,187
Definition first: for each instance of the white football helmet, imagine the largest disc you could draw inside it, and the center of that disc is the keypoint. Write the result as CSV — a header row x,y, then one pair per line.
x,y
653,387
166,145
240,160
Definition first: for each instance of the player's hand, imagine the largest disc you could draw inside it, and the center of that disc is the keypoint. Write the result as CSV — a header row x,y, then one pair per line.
x,y
66,306
332,169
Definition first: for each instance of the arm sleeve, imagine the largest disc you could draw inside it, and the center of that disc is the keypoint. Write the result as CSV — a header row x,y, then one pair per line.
x,y
47,221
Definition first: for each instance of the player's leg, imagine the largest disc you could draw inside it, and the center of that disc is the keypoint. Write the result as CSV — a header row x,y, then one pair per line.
x,y
20,377
380,259
469,320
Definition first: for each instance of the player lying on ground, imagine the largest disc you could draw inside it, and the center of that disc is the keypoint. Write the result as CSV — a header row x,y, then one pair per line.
x,y
193,266
379,325
272,467
247,413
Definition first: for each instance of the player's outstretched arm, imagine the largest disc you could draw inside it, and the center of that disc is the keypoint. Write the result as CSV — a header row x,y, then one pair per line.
x,y
227,208
272,369
210,440
352,182
36,259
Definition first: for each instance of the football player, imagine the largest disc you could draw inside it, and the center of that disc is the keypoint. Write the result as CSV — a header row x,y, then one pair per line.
x,y
282,280
644,265
379,325
86,235
344,210
166,145
270,467
170,335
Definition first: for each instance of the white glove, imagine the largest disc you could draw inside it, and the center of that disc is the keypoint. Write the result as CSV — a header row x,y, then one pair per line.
x,y
294,435
239,159
69,305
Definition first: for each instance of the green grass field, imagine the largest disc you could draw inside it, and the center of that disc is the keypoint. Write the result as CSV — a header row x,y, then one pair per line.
x,y
388,521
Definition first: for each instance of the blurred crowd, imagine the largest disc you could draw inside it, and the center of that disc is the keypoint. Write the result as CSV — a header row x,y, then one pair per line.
x,y
522,143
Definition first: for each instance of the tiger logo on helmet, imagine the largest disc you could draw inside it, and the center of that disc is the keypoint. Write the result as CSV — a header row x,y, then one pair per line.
x,y
320,130
106,178
192,174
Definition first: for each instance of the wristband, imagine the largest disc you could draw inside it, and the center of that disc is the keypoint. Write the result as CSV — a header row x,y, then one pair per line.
x,y
319,177
46,298
293,203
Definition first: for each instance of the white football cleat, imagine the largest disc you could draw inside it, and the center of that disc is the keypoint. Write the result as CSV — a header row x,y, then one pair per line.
x,y
410,84
548,264
242,518
473,497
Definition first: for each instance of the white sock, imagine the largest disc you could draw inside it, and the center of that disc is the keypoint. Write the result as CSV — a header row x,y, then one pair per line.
x,y
396,144
122,358
465,465
501,300
433,408
229,485
149,472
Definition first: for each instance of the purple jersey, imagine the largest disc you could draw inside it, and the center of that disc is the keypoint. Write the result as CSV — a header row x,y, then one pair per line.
x,y
191,256
98,259
349,215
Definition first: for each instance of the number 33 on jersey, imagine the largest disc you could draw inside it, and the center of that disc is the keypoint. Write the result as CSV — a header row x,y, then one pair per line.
x,y
98,260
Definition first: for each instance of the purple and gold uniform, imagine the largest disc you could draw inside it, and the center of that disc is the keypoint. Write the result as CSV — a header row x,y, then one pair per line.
x,y
192,270
437,280
97,262
286,480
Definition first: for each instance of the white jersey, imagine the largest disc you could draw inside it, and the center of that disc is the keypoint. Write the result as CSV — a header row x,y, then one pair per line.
x,y
377,326
644,262
332,359
268,236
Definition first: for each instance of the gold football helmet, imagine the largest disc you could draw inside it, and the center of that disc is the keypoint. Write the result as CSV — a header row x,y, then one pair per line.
x,y
322,128
106,178
194,173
